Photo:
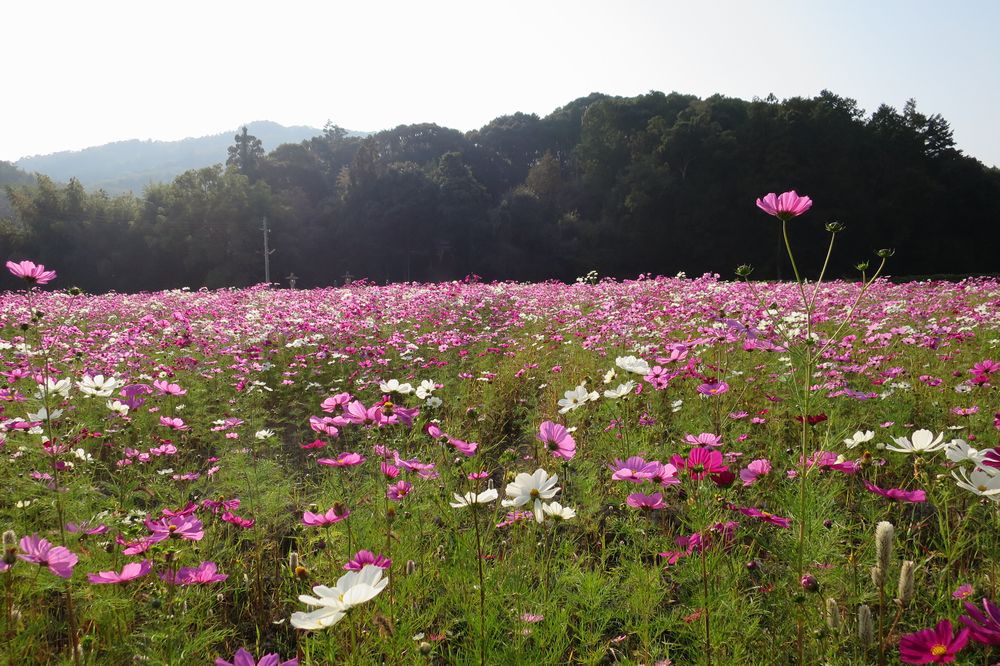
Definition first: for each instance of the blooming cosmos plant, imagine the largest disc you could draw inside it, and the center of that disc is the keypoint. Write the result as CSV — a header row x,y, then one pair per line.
x,y
532,488
331,603
244,658
784,206
31,272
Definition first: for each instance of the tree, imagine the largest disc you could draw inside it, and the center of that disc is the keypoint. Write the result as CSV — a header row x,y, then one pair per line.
x,y
246,154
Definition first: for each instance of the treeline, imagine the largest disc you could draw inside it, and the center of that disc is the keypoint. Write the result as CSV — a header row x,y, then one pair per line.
x,y
651,184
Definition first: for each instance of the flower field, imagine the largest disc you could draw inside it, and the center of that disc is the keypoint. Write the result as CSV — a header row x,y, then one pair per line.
x,y
655,471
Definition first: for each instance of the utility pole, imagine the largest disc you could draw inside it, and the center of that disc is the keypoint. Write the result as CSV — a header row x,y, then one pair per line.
x,y
267,254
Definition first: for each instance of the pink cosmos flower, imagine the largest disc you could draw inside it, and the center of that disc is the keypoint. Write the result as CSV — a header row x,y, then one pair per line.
x,y
398,491
763,516
30,272
334,515
130,571
963,591
704,439
244,658
985,367
363,557
331,404
713,388
634,469
203,574
173,423
324,426
58,559
346,459
755,470
557,440
465,448
239,521
663,475
908,496
390,471
984,625
166,388
646,502
784,206
933,646
178,527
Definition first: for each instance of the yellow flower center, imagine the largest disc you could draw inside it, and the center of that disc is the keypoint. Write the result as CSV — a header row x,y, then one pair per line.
x,y
939,650
534,493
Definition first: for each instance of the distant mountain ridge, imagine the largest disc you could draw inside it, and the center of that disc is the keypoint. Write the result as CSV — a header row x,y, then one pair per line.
x,y
131,165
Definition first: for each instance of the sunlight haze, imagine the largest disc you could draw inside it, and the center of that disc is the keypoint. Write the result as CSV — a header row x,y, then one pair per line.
x,y
84,74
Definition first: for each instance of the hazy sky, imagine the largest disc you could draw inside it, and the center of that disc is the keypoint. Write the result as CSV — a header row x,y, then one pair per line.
x,y
78,74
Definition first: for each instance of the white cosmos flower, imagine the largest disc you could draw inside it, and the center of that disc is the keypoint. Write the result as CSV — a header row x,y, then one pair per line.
x,y
43,414
433,402
393,386
62,387
676,406
557,511
264,434
922,441
99,385
532,488
621,391
118,407
425,389
352,589
958,450
576,397
980,480
632,364
859,438
470,498
609,376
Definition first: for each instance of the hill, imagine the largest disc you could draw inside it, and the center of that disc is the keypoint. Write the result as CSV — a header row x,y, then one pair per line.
x,y
125,166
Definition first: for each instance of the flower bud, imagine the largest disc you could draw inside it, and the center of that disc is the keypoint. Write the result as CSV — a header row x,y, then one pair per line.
x,y
905,591
809,583
425,648
744,270
835,227
832,614
885,253
866,630
861,266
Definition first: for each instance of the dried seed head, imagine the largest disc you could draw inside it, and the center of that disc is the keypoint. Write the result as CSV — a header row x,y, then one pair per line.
x,y
293,560
866,630
832,614
411,567
878,577
905,591
9,539
884,535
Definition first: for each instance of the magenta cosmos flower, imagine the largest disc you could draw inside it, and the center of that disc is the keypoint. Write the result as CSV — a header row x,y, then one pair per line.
x,y
397,491
244,658
763,516
130,571
203,574
30,272
58,559
909,496
784,206
634,469
932,646
646,502
557,440
178,527
364,557
334,515
755,470
702,462
346,459
713,388
984,625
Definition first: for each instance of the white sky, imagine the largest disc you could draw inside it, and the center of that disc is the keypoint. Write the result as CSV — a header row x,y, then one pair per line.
x,y
81,73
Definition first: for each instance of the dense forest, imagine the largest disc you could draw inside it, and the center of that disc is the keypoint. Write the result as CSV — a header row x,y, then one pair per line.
x,y
658,183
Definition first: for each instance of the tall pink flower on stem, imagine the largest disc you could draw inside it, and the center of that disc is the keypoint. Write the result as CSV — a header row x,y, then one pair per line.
x,y
784,206
557,440
363,557
59,559
188,528
338,513
30,272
